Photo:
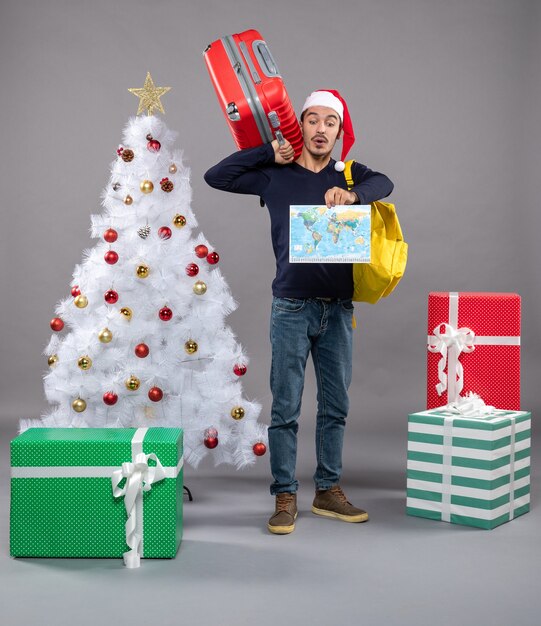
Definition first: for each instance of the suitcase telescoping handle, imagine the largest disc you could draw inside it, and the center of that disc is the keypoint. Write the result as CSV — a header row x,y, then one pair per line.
x,y
275,123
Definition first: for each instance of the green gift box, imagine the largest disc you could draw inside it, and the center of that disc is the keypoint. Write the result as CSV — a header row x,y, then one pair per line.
x,y
469,470
93,492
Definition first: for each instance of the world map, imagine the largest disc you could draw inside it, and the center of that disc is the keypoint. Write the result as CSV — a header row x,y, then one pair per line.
x,y
340,234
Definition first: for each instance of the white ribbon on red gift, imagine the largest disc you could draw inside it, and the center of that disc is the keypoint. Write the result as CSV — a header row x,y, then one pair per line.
x,y
140,477
451,342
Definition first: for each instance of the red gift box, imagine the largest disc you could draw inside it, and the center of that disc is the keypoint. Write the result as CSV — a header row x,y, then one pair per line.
x,y
474,345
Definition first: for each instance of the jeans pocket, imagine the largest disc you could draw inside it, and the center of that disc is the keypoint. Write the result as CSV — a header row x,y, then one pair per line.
x,y
347,305
289,305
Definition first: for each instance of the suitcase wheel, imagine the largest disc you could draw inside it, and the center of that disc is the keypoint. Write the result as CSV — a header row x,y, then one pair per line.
x,y
232,112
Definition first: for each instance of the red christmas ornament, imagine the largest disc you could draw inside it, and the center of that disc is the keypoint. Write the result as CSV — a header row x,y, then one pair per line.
x,y
259,448
164,232
192,269
142,350
111,296
213,258
201,251
75,291
211,442
240,369
119,150
165,314
154,145
110,398
210,438
110,235
111,257
155,394
57,324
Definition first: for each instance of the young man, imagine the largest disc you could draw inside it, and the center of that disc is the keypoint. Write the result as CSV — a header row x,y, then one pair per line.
x,y
312,308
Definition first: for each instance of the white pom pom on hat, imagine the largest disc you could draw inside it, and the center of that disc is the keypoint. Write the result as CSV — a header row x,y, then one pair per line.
x,y
332,99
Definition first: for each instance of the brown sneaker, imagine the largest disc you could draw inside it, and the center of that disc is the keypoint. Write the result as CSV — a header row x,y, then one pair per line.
x,y
333,503
283,520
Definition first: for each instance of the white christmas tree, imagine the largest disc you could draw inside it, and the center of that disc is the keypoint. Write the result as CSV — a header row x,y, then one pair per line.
x,y
142,339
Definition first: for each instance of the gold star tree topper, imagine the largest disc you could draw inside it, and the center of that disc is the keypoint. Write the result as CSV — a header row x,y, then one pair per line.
x,y
149,96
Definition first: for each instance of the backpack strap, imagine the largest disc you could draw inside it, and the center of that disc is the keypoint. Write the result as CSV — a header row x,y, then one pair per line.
x,y
349,182
347,173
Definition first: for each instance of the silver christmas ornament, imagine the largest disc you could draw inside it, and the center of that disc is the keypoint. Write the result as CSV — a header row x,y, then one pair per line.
x,y
144,232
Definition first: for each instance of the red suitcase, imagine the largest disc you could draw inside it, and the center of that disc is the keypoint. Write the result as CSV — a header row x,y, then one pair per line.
x,y
251,91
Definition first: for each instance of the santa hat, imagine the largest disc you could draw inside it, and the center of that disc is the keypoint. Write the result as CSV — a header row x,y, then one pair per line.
x,y
332,99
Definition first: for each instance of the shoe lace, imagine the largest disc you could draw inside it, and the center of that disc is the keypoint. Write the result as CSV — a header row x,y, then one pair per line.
x,y
337,491
283,501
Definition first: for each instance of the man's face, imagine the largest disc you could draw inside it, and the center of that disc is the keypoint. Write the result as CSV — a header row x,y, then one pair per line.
x,y
320,129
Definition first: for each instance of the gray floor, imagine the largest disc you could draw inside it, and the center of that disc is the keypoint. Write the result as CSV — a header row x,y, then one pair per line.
x,y
229,571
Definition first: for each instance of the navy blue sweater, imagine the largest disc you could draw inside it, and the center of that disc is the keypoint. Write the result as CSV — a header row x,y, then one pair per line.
x,y
254,171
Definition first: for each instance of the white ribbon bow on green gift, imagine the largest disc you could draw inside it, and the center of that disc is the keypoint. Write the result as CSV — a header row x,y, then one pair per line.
x,y
140,476
470,405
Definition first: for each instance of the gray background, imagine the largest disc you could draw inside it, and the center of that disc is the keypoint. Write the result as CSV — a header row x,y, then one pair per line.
x,y
444,96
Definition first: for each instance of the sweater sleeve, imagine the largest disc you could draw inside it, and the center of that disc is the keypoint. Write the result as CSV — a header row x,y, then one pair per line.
x,y
369,185
242,171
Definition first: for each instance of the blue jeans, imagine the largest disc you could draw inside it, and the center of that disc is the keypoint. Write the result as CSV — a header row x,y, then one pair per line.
x,y
300,327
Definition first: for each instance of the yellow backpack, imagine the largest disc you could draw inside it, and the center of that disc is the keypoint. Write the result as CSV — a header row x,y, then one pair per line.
x,y
389,252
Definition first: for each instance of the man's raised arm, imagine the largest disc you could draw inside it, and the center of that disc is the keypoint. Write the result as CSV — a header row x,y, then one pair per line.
x,y
243,171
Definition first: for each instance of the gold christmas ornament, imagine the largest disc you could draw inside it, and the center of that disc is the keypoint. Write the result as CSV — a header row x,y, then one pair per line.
x,y
146,186
190,346
85,362
105,335
149,96
78,405
126,312
81,301
172,168
52,360
128,199
133,383
179,220
237,413
199,287
142,271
